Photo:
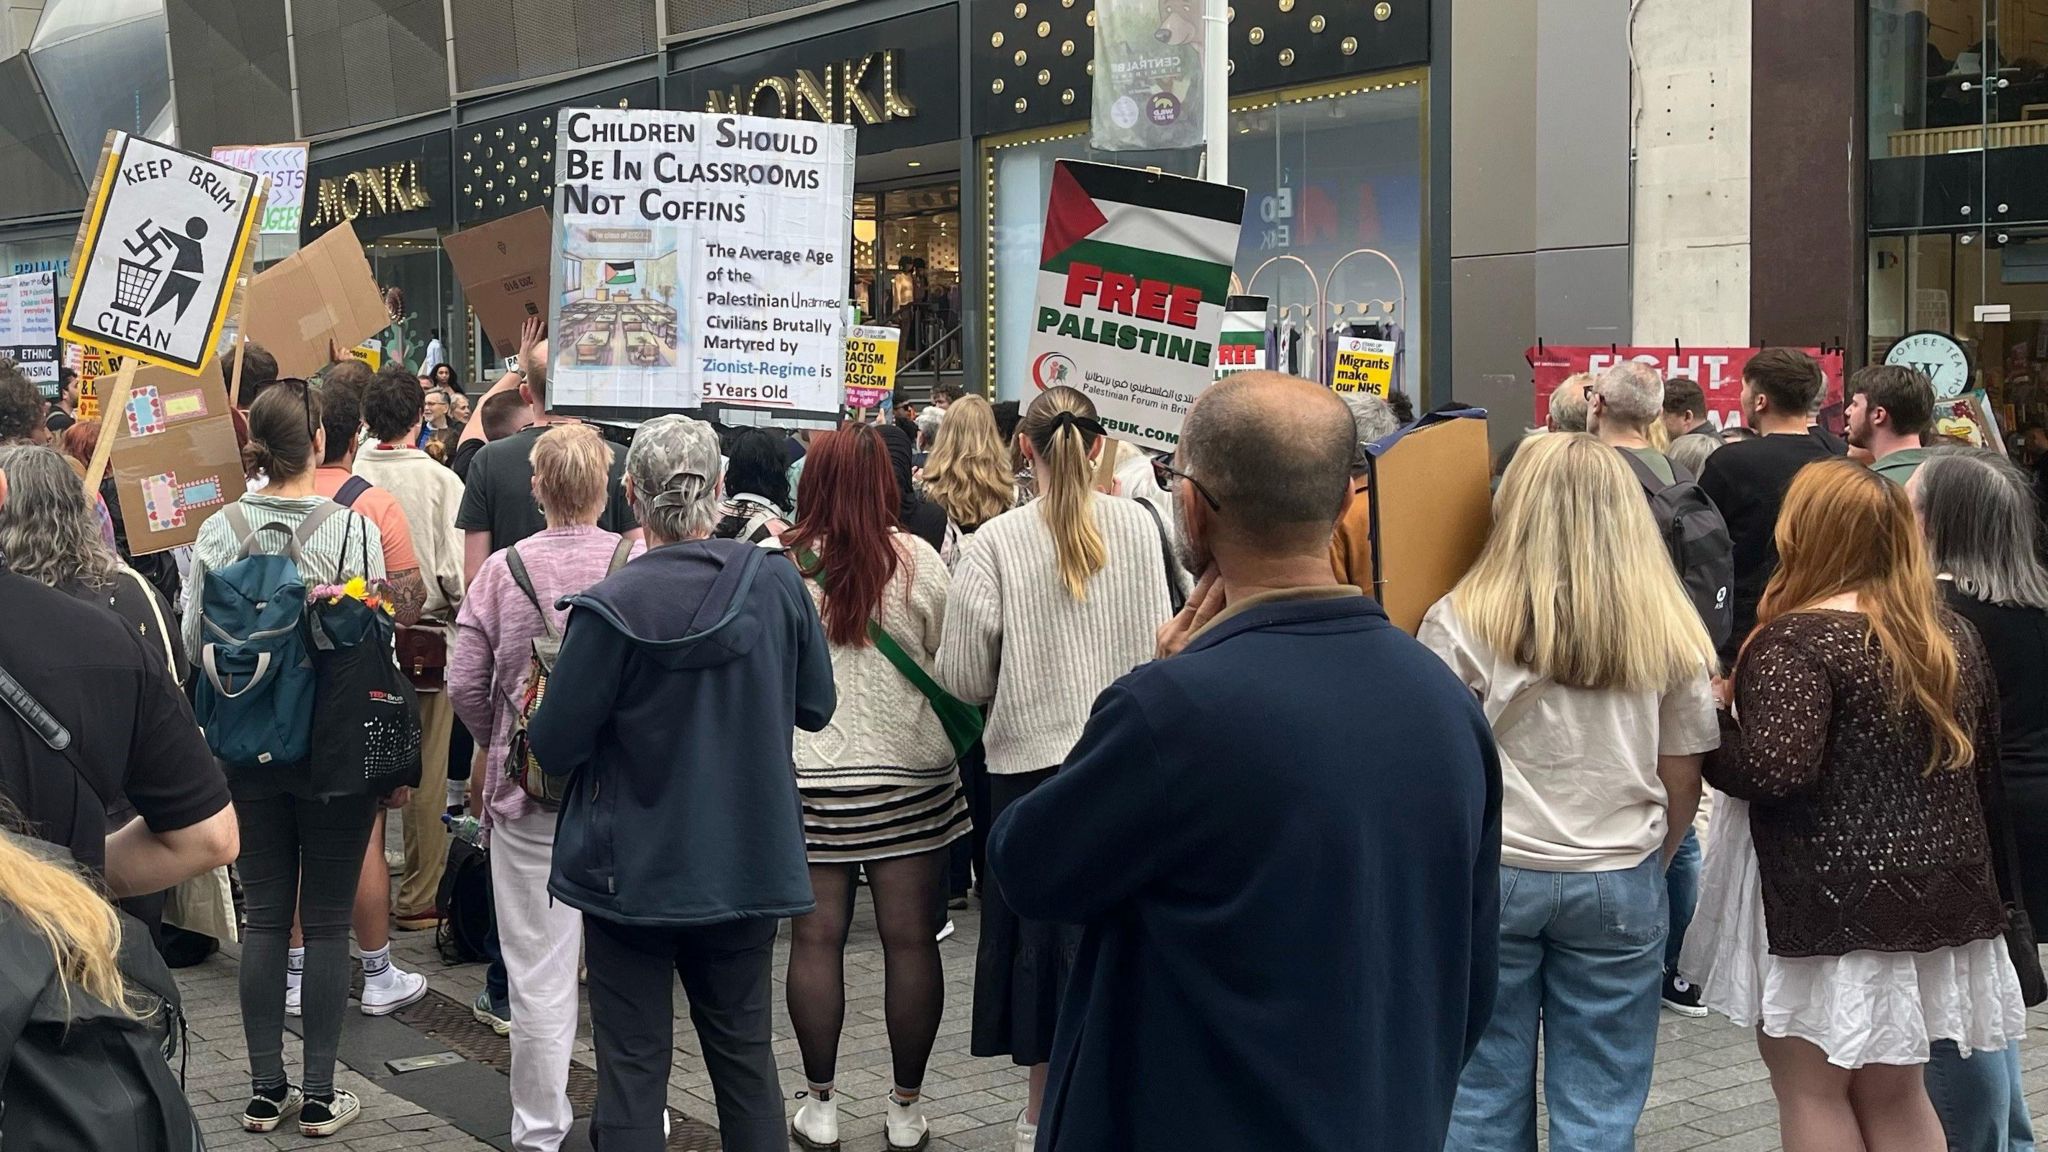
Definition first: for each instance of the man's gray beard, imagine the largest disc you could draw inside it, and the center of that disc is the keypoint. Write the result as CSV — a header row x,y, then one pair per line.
x,y
1183,543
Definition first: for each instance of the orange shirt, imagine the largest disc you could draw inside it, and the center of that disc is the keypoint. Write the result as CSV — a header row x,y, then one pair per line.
x,y
381,509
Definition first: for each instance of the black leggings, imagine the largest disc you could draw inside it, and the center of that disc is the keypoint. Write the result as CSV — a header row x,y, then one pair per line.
x,y
908,892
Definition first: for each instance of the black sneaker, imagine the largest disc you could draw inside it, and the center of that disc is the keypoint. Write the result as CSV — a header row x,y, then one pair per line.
x,y
1682,997
326,1117
265,1112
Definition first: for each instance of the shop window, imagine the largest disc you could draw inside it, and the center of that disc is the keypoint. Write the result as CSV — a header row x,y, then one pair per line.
x,y
906,261
1329,172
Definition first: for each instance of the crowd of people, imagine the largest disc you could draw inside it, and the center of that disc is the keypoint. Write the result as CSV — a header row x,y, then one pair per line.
x,y
1748,720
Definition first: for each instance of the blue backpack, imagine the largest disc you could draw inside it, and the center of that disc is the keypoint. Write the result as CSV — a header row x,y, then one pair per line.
x,y
255,695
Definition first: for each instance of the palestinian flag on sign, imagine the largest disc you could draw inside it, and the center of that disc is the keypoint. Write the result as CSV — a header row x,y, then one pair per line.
x,y
1127,220
620,272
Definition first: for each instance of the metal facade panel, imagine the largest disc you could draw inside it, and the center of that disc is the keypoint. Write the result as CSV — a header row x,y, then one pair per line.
x,y
40,176
234,78
500,42
368,61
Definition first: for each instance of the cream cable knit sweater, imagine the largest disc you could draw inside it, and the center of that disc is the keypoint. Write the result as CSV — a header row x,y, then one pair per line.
x,y
1014,636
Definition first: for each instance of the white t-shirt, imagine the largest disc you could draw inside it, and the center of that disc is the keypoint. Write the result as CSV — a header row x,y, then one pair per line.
x,y
1578,766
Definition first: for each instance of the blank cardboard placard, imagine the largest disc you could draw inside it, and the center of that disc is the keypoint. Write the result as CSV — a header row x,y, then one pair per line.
x,y
504,269
323,292
1436,507
175,460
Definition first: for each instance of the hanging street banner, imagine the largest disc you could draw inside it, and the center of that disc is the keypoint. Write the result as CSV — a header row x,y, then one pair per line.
x,y
1148,75
159,253
1241,345
700,259
870,365
285,166
28,328
1131,286
1718,372
1363,365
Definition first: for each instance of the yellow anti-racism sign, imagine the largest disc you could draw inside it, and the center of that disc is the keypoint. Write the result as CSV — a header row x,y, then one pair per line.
x,y
369,352
870,365
1363,366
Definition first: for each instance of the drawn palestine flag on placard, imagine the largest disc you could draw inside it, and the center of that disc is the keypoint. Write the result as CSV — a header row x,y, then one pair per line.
x,y
1132,281
620,273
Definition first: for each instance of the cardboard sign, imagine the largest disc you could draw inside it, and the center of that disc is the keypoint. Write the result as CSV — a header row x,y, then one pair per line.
x,y
174,460
1132,281
870,365
1436,507
28,328
92,364
701,259
1718,372
323,292
284,165
159,253
1363,365
503,267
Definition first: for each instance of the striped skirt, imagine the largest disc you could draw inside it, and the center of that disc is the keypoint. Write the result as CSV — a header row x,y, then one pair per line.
x,y
855,825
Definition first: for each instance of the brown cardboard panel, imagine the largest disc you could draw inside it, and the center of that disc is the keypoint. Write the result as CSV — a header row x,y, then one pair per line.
x,y
174,460
322,292
504,268
1436,507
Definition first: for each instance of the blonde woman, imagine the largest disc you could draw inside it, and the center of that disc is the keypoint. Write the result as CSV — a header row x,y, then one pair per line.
x,y
1050,604
1592,667
969,473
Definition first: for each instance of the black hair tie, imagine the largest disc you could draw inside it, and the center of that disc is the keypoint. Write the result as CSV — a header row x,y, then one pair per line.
x,y
1090,428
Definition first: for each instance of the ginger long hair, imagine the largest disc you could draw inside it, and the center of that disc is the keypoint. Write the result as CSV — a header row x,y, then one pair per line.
x,y
1574,583
1844,529
969,473
849,501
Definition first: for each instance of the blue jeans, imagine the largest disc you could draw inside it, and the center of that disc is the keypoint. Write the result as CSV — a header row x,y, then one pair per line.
x,y
1980,1101
1580,956
1682,881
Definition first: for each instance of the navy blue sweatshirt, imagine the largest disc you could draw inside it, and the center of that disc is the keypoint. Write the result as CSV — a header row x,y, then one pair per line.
x,y
1284,846
673,705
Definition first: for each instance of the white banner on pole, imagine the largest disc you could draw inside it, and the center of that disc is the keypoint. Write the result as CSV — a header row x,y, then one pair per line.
x,y
28,328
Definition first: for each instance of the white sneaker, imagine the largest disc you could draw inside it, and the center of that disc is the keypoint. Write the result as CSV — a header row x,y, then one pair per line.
x,y
397,989
905,1130
816,1125
291,999
1026,1137
947,930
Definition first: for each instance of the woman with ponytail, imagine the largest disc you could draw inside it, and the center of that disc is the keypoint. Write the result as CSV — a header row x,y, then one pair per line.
x,y
1848,910
1050,604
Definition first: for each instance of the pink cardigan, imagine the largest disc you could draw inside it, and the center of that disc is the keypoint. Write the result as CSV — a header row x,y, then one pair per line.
x,y
493,644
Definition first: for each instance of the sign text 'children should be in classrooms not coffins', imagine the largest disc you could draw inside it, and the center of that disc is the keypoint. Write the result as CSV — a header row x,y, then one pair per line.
x,y
701,259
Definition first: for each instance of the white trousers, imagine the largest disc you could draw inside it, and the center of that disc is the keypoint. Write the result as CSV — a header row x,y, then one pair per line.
x,y
541,939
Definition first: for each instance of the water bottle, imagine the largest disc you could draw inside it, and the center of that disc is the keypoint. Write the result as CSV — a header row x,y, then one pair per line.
x,y
466,828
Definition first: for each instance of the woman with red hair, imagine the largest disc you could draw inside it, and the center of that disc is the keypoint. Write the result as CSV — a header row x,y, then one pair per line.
x,y
880,790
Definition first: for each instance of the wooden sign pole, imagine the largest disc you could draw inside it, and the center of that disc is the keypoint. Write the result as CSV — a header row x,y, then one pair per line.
x,y
1105,467
113,407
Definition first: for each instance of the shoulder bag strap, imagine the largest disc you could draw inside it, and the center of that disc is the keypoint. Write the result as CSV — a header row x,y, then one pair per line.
x,y
524,580
1175,594
620,555
351,489
885,643
163,632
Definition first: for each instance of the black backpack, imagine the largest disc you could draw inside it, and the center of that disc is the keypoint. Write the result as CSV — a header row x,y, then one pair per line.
x,y
76,1073
466,904
1697,538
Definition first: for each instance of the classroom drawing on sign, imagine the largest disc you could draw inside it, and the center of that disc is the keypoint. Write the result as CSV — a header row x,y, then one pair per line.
x,y
167,500
620,303
136,278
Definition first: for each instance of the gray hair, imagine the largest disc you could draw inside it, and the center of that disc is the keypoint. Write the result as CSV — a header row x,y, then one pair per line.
x,y
1568,404
48,529
1372,415
1633,393
1977,509
1691,450
674,467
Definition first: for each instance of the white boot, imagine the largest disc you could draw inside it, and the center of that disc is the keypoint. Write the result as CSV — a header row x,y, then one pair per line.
x,y
816,1125
906,1129
1026,1136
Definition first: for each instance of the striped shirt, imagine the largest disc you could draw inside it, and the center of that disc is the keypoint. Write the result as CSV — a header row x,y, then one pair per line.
x,y
346,546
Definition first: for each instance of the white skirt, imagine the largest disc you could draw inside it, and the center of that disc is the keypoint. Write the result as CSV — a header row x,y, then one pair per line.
x,y
1861,1008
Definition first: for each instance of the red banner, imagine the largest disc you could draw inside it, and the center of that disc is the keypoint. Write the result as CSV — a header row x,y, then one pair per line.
x,y
1718,372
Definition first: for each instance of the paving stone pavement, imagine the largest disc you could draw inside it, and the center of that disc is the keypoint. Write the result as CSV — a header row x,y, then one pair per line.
x,y
1710,1093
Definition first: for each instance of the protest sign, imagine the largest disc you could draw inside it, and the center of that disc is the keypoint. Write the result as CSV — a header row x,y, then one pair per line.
x,y
701,259
1241,345
174,457
28,328
159,254
1718,372
92,364
1148,75
1131,286
503,266
321,294
1363,365
870,365
370,352
284,165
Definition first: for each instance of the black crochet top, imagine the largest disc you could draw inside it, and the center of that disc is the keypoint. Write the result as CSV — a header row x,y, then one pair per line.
x,y
1858,845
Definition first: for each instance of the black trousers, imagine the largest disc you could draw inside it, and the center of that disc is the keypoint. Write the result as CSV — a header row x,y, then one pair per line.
x,y
725,972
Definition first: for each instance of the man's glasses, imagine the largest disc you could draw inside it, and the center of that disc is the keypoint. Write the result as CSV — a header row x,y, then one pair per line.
x,y
1167,469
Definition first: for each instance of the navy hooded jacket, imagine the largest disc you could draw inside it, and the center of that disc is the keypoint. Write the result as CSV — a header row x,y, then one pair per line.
x,y
1283,844
673,705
